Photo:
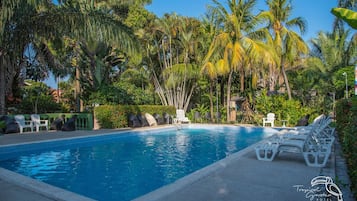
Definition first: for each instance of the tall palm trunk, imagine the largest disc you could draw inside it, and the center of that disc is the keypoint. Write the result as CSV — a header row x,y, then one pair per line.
x,y
211,99
241,71
272,78
286,80
79,102
222,92
229,84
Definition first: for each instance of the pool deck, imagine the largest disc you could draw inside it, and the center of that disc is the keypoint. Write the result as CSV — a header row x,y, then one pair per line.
x,y
238,177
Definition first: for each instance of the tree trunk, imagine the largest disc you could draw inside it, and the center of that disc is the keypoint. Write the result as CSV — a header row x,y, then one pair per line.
x,y
241,72
189,97
286,82
229,83
211,99
79,103
272,78
222,91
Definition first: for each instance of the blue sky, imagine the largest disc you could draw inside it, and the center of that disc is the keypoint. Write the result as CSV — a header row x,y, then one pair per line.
x,y
315,12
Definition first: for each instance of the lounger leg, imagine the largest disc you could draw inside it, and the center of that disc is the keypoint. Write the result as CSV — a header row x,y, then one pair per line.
x,y
266,152
316,159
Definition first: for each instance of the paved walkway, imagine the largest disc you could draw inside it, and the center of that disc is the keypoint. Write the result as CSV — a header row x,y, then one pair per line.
x,y
238,177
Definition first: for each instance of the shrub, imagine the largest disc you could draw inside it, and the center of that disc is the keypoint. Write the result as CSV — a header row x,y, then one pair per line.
x,y
346,125
116,116
290,110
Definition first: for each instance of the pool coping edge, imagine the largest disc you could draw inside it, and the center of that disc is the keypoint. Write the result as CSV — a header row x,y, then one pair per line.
x,y
41,188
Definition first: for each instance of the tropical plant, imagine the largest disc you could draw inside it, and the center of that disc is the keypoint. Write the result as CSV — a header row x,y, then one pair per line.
x,y
171,58
349,16
211,69
344,7
37,98
330,53
234,49
38,22
288,44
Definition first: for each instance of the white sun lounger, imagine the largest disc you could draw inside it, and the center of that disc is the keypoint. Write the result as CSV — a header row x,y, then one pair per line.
x,y
314,157
180,117
315,147
320,127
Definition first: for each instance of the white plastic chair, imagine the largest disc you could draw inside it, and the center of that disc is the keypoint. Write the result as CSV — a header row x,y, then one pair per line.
x,y
20,120
37,122
269,119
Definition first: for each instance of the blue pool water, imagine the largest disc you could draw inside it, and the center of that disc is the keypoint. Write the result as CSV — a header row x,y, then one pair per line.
x,y
130,164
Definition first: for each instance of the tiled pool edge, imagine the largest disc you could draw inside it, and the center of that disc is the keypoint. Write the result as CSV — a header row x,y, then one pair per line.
x,y
39,187
193,177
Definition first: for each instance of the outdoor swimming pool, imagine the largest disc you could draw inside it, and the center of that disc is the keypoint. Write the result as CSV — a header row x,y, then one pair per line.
x,y
130,164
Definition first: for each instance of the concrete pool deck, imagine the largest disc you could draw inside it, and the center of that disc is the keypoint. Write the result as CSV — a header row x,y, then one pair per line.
x,y
238,177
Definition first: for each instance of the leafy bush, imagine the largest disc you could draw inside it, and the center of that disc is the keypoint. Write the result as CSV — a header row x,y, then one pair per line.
x,y
37,98
116,116
120,94
346,125
290,110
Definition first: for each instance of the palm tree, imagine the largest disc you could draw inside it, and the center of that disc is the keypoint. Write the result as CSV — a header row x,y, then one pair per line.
x,y
235,49
331,52
175,42
15,20
288,44
39,21
210,69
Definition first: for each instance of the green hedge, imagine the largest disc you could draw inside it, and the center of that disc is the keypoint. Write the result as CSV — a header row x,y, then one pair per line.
x,y
346,125
116,116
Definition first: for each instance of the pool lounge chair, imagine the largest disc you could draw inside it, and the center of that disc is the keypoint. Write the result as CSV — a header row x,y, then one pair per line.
x,y
314,147
318,121
37,122
314,153
180,117
319,129
20,120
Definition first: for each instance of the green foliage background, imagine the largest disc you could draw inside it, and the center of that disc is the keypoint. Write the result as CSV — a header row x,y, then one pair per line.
x,y
116,116
37,94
